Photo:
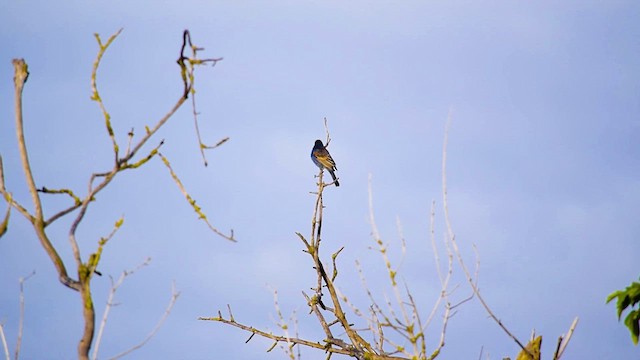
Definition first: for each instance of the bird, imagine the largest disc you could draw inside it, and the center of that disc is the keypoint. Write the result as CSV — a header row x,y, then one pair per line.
x,y
321,157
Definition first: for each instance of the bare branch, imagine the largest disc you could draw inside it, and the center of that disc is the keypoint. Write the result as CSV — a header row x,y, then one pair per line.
x,y
313,304
110,304
187,73
61,214
86,270
21,321
21,73
201,145
76,200
20,77
284,326
144,160
13,203
410,325
332,315
174,297
4,343
564,341
326,129
95,96
276,338
188,78
453,242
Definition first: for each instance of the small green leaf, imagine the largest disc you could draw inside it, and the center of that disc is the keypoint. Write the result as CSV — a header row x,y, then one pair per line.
x,y
623,302
628,299
613,295
632,321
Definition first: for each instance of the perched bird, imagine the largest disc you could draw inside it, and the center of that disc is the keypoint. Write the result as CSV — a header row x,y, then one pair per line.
x,y
323,160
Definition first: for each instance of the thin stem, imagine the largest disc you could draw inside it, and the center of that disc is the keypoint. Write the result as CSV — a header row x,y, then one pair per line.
x,y
452,239
174,297
4,343
21,321
110,304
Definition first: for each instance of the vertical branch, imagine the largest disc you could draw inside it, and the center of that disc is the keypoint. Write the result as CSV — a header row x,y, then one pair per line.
x,y
20,77
316,230
283,324
21,73
110,304
95,96
201,145
89,314
4,343
21,321
383,250
188,77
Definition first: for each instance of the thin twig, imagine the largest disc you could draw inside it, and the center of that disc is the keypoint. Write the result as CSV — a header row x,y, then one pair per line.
x,y
110,304
174,297
452,239
382,249
21,321
94,89
284,326
202,145
192,202
4,343
188,78
10,201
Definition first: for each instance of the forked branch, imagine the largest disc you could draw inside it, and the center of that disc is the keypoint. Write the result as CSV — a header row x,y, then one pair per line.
x,y
97,181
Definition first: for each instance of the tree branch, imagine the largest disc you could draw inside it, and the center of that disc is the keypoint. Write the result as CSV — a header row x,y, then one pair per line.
x,y
4,343
21,321
452,239
174,297
21,74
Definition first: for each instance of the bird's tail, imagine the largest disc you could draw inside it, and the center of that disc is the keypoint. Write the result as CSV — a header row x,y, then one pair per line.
x,y
335,180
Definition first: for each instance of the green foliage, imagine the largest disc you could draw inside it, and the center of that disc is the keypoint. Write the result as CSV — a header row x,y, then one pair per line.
x,y
629,298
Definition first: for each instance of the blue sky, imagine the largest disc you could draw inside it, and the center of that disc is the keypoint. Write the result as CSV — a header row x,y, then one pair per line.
x,y
544,165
